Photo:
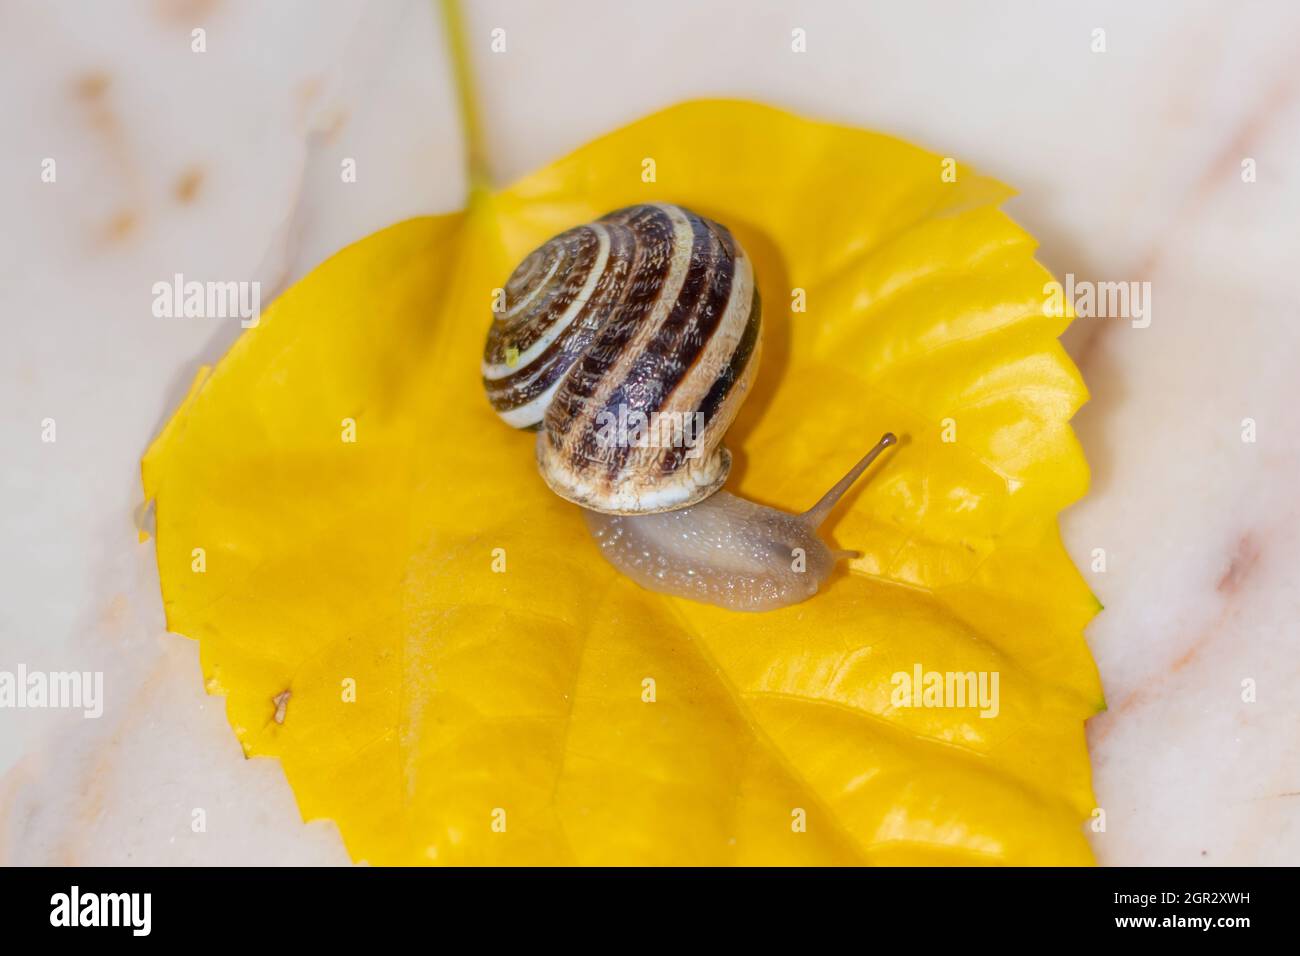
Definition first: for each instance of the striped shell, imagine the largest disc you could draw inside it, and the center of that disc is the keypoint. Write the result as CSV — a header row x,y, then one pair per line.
x,y
629,343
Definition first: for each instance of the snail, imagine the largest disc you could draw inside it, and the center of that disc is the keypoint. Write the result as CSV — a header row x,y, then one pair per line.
x,y
628,345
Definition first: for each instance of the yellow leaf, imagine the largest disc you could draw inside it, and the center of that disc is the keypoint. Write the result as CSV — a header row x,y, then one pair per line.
x,y
469,681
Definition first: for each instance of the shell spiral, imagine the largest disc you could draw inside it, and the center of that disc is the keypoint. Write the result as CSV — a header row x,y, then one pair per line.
x,y
629,343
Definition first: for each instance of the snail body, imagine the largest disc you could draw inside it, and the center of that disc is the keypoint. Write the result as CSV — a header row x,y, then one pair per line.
x,y
629,344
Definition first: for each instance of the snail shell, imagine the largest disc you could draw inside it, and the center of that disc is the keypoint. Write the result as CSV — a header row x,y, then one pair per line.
x,y
651,314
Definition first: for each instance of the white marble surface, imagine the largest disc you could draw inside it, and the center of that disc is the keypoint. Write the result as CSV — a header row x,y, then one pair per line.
x,y
225,164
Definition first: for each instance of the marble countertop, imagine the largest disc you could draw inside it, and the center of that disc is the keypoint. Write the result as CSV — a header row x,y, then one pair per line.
x,y
1130,168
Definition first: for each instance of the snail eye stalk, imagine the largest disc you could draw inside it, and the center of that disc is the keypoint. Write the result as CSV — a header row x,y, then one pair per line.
x,y
815,515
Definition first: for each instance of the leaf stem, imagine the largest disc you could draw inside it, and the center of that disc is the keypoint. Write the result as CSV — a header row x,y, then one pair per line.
x,y
475,156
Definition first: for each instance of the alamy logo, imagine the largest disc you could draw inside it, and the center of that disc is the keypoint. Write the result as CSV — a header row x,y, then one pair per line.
x,y
1102,300
179,299
67,690
923,688
632,428
102,909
